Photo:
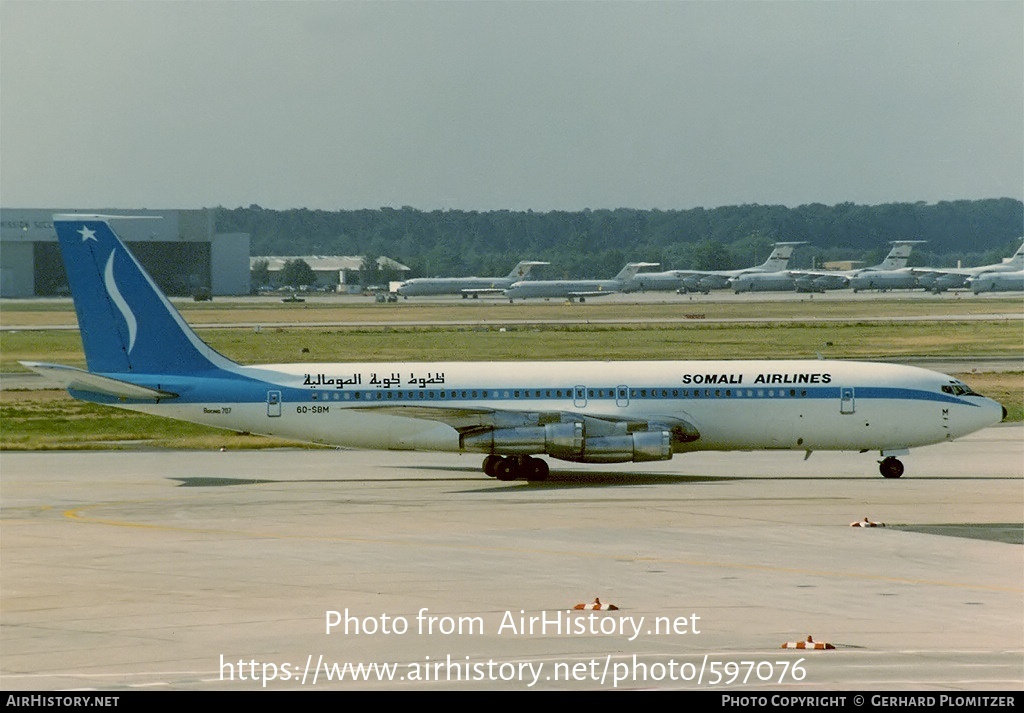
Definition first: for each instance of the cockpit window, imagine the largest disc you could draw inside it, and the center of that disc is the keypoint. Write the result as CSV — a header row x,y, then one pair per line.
x,y
958,388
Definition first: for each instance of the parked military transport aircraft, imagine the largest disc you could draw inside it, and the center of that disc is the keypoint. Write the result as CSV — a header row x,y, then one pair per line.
x,y
466,286
575,289
893,265
142,356
885,280
706,280
937,279
997,282
763,282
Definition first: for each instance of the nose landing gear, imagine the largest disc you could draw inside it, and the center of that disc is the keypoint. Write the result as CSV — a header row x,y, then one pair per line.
x,y
890,467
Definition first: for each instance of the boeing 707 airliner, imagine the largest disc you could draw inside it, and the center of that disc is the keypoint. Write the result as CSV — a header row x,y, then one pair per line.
x,y
141,355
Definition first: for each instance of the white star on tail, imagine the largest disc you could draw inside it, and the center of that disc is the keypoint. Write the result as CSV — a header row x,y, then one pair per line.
x,y
87,234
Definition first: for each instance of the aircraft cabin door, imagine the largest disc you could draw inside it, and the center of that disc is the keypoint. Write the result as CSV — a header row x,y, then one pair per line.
x,y
579,396
846,404
273,403
622,396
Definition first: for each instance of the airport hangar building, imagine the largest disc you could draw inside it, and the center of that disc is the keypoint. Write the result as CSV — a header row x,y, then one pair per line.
x,y
180,251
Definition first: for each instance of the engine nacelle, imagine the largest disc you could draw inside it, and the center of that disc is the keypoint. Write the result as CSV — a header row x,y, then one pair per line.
x,y
948,282
691,283
552,438
631,447
588,440
712,282
832,282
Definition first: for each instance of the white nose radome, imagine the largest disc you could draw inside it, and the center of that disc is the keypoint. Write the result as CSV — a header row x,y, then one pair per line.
x,y
985,413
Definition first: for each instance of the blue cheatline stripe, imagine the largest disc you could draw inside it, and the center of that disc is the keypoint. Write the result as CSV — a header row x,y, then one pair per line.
x,y
230,388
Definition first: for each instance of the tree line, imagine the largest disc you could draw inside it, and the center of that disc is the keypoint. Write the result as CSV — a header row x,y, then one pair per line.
x,y
597,243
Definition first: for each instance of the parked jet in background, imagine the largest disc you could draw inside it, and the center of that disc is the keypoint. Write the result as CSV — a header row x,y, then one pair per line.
x,y
885,280
142,356
997,282
764,282
707,280
895,261
939,279
821,280
575,289
465,286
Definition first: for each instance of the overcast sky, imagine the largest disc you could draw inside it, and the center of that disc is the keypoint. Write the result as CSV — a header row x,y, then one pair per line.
x,y
486,105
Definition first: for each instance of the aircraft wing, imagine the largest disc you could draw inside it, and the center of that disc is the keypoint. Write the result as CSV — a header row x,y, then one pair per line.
x,y
470,420
80,380
465,418
938,272
471,291
590,293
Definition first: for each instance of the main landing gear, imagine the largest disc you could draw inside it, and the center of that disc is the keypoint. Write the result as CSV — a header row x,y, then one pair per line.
x,y
890,467
513,467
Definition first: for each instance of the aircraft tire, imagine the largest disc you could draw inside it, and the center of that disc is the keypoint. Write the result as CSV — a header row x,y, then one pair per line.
x,y
891,467
536,469
505,470
490,464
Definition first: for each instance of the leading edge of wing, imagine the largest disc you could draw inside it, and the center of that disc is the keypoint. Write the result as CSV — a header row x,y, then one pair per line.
x,y
80,380
461,418
591,293
465,419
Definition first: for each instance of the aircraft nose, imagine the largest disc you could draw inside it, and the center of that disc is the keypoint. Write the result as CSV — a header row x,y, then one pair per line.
x,y
990,413
997,412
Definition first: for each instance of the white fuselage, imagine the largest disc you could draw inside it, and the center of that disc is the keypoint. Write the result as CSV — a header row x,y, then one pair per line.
x,y
733,405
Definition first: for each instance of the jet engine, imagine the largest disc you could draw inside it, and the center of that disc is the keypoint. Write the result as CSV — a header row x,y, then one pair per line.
x,y
602,442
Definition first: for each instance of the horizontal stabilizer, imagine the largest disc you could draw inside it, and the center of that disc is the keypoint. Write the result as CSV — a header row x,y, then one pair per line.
x,y
80,380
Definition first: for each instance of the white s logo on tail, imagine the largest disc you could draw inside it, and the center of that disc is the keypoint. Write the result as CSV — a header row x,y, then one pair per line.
x,y
119,301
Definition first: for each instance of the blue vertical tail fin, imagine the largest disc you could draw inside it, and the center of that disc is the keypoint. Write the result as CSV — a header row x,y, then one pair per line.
x,y
127,324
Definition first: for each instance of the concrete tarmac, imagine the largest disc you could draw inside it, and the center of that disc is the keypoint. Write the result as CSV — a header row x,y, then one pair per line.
x,y
169,570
